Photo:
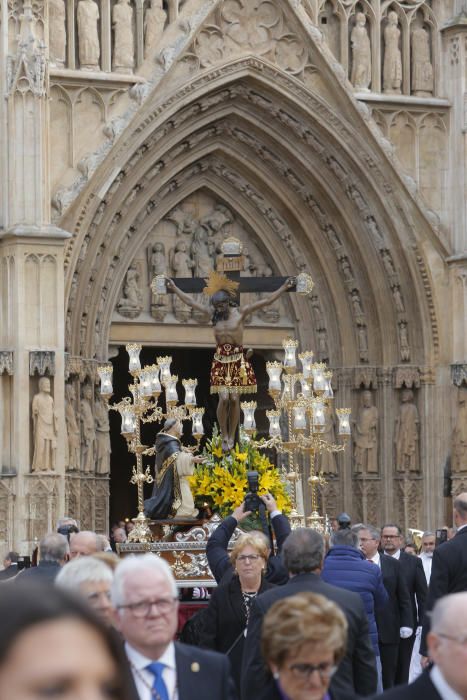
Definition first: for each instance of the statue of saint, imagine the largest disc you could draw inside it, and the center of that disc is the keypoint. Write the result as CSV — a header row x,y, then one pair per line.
x,y
88,37
231,372
131,302
101,415
459,435
181,263
328,460
361,54
154,23
44,422
72,429
57,33
88,445
158,261
406,435
202,251
171,496
366,437
422,69
392,68
124,50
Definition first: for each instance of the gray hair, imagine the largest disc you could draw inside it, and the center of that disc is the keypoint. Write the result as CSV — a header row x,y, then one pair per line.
x,y
428,533
375,534
133,565
53,547
303,551
345,537
62,522
442,609
82,570
460,505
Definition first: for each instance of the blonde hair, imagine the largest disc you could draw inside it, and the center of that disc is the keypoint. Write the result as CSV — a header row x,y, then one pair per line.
x,y
252,539
305,618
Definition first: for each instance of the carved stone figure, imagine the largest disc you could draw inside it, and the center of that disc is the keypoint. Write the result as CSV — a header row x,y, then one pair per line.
x,y
404,342
158,262
131,302
72,429
406,435
361,54
88,431
459,435
181,263
362,343
202,249
44,421
154,23
88,38
101,415
57,32
328,461
346,269
271,313
122,24
398,301
392,68
366,436
317,313
422,69
356,302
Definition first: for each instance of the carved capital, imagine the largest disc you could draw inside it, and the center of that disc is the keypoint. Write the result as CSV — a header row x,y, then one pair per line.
x,y
406,376
364,377
41,362
6,362
73,365
384,375
427,375
459,374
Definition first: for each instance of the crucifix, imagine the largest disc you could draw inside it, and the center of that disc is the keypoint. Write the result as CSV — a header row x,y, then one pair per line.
x,y
231,371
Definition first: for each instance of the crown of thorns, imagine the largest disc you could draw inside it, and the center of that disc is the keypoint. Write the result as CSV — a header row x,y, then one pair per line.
x,y
217,282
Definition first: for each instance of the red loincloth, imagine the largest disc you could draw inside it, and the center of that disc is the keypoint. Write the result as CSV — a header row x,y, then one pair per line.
x,y
231,370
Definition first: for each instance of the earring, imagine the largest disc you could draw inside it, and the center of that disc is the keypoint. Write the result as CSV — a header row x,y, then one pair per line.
x,y
275,675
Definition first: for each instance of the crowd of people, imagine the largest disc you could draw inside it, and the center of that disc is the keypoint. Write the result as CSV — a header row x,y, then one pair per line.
x,y
294,616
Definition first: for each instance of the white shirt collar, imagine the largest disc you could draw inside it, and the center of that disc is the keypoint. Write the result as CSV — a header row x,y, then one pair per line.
x,y
140,661
442,686
461,528
396,555
376,559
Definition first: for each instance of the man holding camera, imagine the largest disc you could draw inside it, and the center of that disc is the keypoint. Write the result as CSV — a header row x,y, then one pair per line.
x,y
217,546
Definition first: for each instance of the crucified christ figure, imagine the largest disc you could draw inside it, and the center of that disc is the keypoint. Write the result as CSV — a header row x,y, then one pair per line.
x,y
231,371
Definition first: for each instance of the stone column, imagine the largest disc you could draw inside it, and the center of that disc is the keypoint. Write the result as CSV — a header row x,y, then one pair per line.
x,y
385,405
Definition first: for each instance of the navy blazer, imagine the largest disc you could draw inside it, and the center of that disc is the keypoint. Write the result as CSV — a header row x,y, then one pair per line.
x,y
203,674
357,670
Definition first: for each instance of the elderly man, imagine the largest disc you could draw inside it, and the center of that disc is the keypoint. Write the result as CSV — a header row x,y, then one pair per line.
x,y
91,579
144,595
447,647
10,563
426,555
303,554
84,543
53,551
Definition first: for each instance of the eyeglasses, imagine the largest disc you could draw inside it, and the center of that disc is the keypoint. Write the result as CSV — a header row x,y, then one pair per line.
x,y
390,537
248,557
302,672
459,640
143,607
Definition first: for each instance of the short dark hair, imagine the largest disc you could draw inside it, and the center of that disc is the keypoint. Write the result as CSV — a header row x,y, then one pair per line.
x,y
13,557
461,506
303,551
346,537
399,531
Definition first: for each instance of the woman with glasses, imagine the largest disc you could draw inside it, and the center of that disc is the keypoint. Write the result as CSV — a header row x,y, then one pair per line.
x,y
303,641
226,618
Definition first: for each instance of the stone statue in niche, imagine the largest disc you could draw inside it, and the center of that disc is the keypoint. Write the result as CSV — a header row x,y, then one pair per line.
x,y
158,266
316,310
328,461
180,262
72,429
392,67
346,269
406,435
459,435
101,415
122,24
362,337
88,37
44,422
271,313
422,68
154,23
202,250
356,303
57,33
388,262
404,341
361,54
131,303
398,301
323,352
88,431
366,436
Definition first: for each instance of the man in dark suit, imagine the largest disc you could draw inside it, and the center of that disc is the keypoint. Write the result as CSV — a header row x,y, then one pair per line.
x,y
303,554
144,595
414,575
394,621
447,647
217,552
53,550
449,568
10,564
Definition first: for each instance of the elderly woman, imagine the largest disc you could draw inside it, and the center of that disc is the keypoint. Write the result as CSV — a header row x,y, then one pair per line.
x,y
226,618
303,641
91,579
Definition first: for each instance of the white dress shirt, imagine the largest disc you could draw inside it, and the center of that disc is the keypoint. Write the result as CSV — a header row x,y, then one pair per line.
x,y
376,559
427,561
396,555
442,686
138,667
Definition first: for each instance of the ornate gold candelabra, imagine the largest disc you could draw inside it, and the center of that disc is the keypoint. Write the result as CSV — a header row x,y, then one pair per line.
x,y
302,401
143,407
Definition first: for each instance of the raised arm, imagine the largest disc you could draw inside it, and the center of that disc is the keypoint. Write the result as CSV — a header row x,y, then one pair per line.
x,y
186,298
251,308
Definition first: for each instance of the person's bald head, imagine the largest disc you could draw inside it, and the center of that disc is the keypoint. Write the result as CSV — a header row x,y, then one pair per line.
x,y
447,640
460,509
83,544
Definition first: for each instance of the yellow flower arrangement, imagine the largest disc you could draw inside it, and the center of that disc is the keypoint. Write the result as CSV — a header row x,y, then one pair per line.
x,y
222,479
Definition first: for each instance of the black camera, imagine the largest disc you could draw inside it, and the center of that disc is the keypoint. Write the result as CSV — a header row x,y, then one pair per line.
x,y
344,521
252,501
441,536
24,563
67,530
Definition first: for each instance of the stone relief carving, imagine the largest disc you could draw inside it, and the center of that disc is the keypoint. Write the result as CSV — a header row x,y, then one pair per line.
x,y
361,54
88,37
42,362
459,434
158,266
57,33
154,23
364,377
328,460
122,25
131,302
404,346
72,460
392,67
362,338
27,71
365,436
6,362
44,424
406,435
101,415
422,68
408,377
88,431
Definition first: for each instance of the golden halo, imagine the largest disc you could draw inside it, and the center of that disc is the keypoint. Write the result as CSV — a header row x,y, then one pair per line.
x,y
217,282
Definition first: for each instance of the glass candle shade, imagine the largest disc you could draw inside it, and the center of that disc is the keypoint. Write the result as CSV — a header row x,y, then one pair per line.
x,y
197,422
328,391
319,380
105,375
145,383
134,364
190,386
128,428
305,388
274,426
249,408
274,370
153,372
164,366
343,414
290,348
319,417
299,418
171,395
306,358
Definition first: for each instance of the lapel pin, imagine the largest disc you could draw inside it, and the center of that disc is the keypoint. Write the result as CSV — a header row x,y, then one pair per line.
x,y
195,667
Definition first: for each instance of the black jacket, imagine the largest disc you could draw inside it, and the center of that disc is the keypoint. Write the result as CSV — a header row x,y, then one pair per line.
x,y
398,611
414,575
219,560
357,670
421,689
45,571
